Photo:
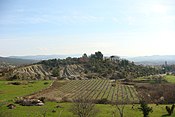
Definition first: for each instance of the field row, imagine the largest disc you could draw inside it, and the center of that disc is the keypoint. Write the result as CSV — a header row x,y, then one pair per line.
x,y
98,89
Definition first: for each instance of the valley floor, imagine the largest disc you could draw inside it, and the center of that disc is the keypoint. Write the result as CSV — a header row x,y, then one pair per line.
x,y
8,92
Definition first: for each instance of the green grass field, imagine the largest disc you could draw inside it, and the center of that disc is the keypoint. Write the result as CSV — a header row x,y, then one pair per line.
x,y
9,91
170,78
103,111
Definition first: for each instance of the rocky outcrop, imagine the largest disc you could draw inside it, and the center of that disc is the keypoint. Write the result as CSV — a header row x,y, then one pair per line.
x,y
32,72
30,102
72,72
43,72
11,106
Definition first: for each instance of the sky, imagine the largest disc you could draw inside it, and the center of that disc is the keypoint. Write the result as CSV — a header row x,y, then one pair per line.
x,y
67,27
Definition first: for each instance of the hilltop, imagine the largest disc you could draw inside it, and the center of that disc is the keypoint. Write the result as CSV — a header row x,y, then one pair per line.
x,y
93,66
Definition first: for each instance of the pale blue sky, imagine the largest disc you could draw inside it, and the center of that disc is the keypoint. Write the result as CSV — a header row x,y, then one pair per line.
x,y
120,27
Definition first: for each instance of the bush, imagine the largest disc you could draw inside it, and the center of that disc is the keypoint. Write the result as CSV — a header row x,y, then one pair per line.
x,y
45,83
113,85
15,83
103,101
145,109
170,111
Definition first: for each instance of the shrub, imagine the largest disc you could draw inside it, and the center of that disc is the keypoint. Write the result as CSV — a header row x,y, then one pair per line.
x,y
16,83
103,101
170,110
45,83
113,85
145,109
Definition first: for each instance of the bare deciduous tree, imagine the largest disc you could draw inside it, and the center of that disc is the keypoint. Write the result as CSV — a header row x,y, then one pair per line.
x,y
120,104
120,107
83,107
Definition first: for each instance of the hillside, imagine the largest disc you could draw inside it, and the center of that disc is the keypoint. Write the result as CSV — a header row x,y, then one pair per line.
x,y
85,67
30,72
72,72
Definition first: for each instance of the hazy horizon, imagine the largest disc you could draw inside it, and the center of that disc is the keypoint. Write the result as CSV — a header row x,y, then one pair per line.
x,y
79,55
114,27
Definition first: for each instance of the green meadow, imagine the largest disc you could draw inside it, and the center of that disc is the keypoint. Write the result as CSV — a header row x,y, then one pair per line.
x,y
9,91
103,110
170,78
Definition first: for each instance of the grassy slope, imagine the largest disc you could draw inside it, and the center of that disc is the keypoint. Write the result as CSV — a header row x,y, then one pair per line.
x,y
9,92
170,78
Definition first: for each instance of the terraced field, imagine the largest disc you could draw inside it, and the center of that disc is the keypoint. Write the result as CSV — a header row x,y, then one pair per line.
x,y
93,90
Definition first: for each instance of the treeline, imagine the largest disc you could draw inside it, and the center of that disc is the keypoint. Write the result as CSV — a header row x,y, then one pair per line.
x,y
168,68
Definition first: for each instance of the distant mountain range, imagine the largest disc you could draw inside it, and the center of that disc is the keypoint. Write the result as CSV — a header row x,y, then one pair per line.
x,y
153,60
44,57
5,61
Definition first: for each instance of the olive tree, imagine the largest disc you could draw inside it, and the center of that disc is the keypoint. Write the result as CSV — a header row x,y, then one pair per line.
x,y
145,108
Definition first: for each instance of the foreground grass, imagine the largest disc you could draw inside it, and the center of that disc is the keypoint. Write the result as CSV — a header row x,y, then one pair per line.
x,y
103,111
170,78
9,91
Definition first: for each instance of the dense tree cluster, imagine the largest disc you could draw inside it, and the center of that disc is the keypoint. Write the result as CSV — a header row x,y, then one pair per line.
x,y
168,68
